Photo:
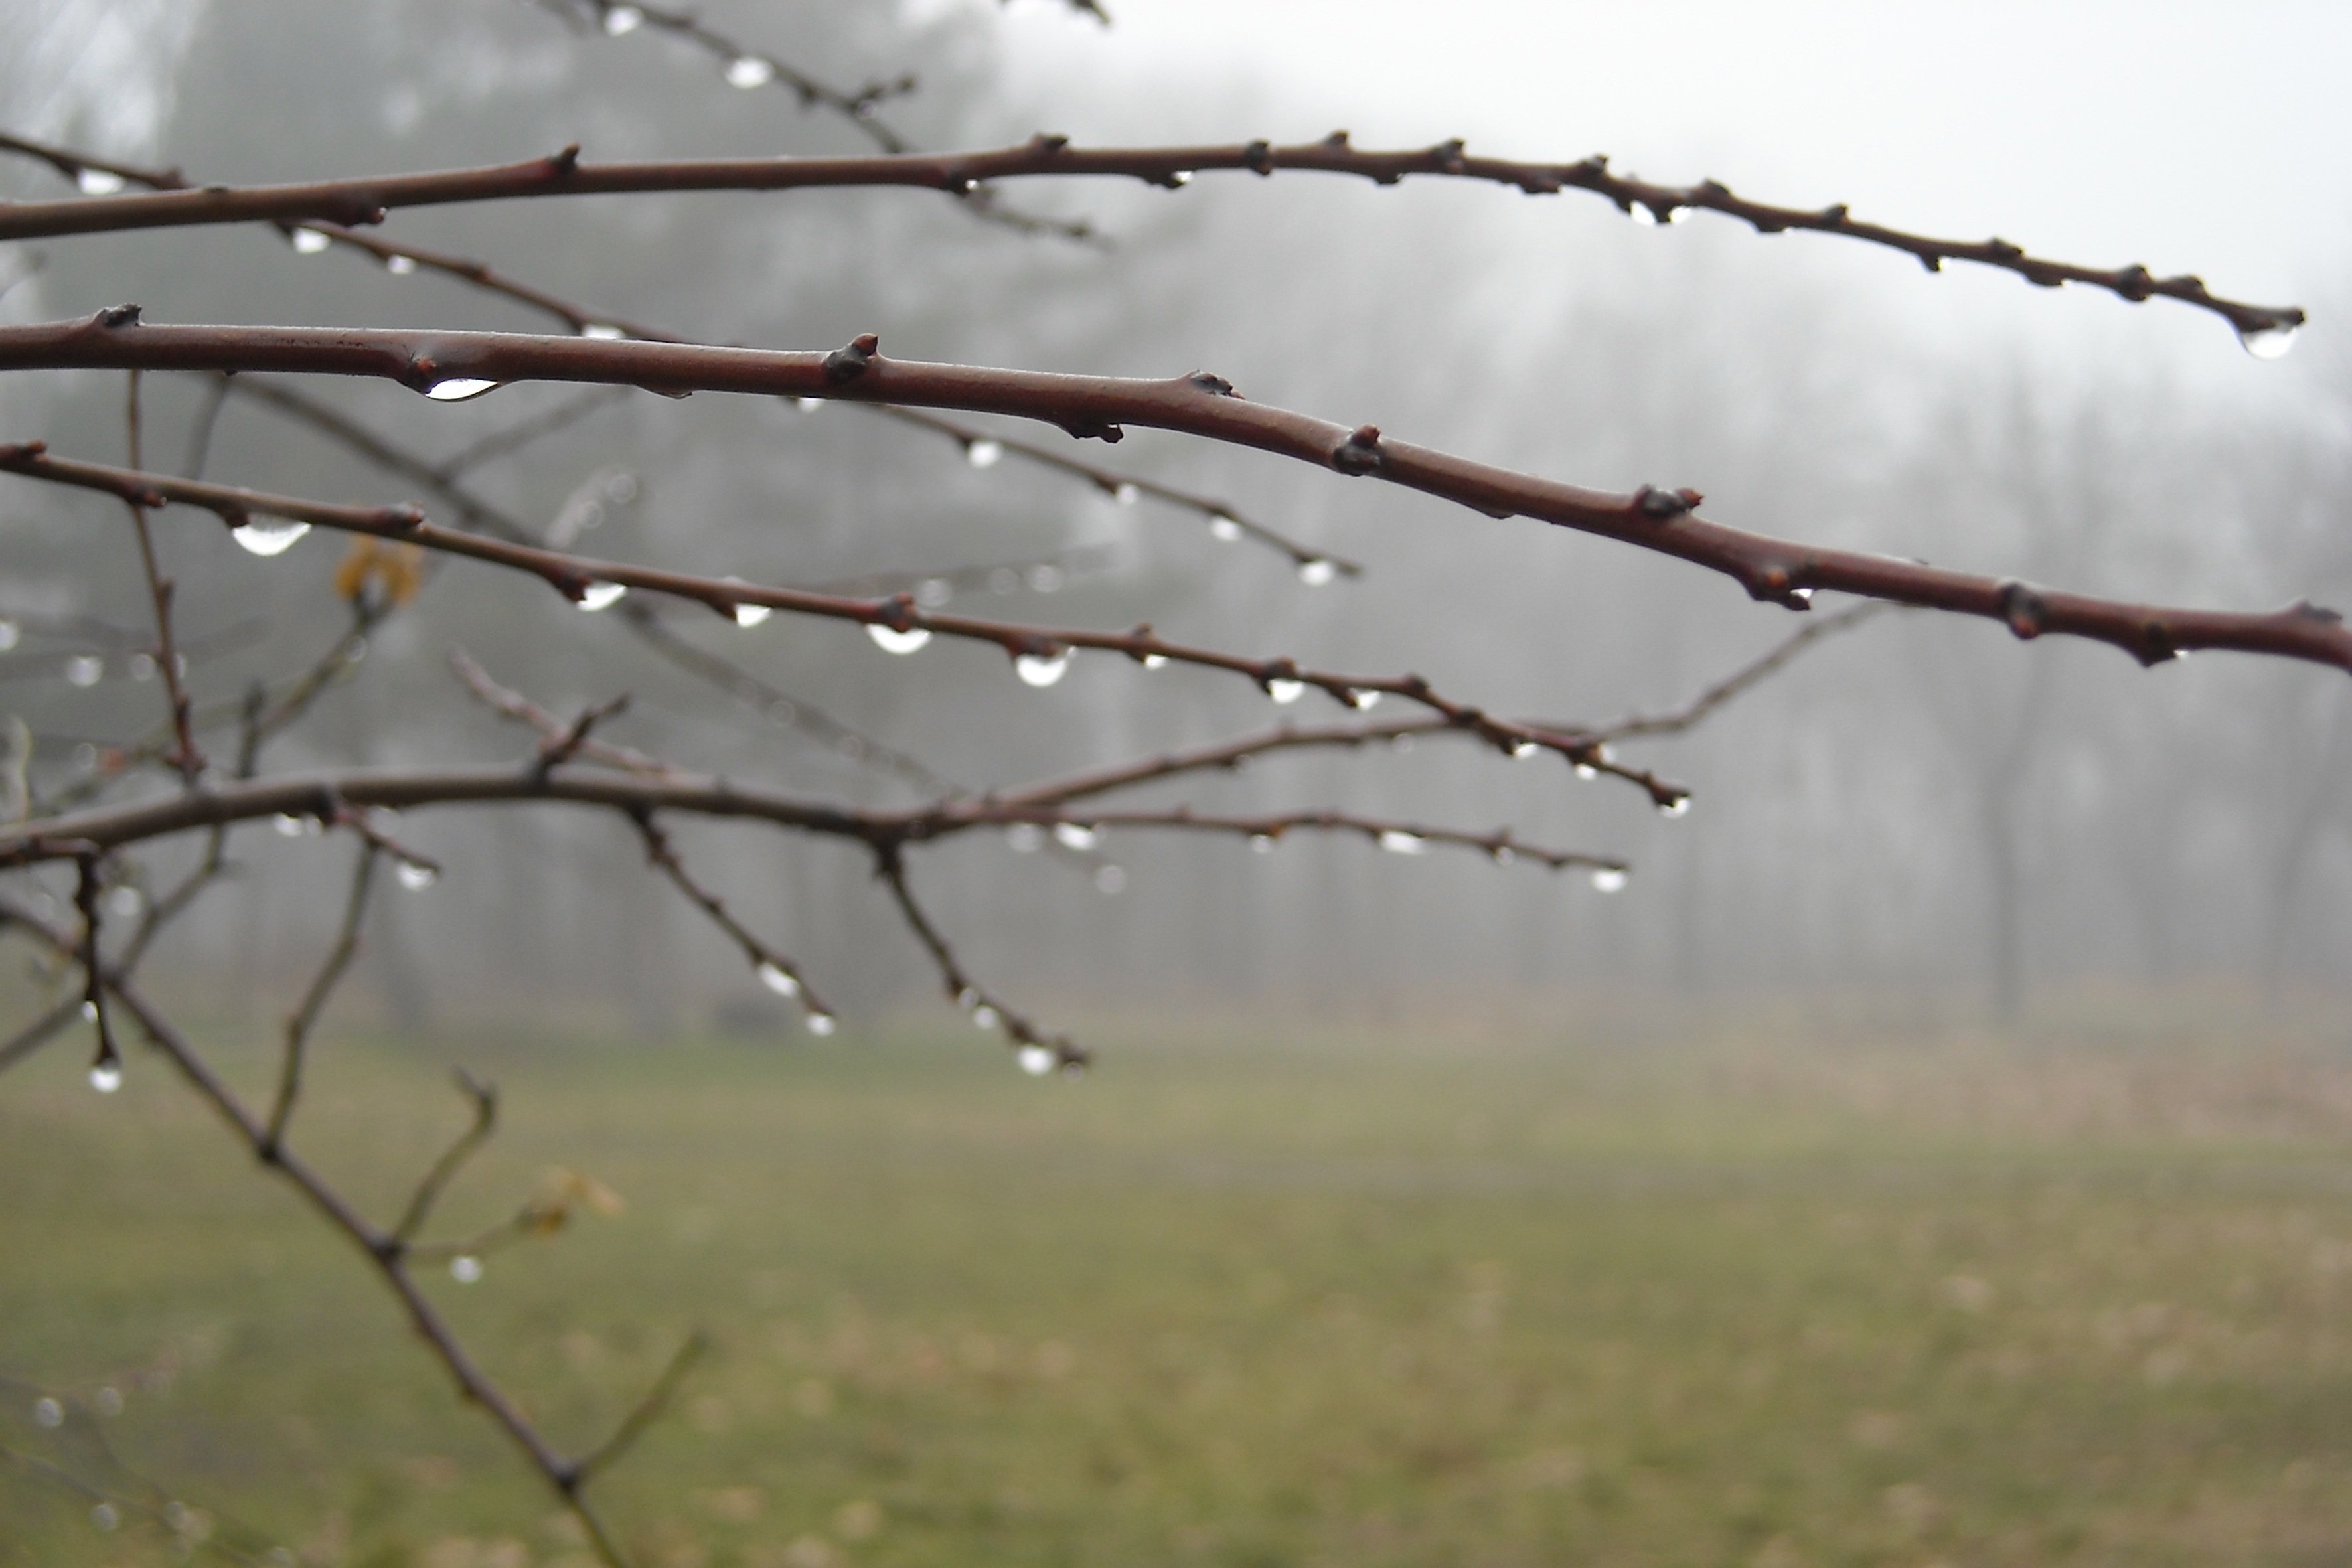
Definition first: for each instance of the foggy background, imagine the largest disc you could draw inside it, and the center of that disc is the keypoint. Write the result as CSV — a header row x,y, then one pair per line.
x,y
1925,810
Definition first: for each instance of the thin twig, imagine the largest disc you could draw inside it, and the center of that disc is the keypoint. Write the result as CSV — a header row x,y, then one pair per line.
x,y
484,1099
300,1022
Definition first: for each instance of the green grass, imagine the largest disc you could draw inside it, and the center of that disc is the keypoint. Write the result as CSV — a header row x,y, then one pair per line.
x,y
1239,1301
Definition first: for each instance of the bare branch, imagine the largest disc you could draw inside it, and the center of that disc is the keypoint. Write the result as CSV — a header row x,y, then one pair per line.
x,y
1660,519
187,758
1038,1052
367,200
646,1412
776,972
1040,654
484,1099
304,1017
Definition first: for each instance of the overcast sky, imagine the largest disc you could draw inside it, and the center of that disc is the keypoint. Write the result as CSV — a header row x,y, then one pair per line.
x,y
2192,137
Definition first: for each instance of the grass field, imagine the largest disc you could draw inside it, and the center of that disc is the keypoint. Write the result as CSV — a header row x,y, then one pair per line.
x,y
1741,1295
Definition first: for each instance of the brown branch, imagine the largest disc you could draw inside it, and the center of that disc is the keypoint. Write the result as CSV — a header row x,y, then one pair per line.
x,y
1041,654
514,705
646,1412
187,758
1201,405
484,1100
1397,836
300,1022
1674,722
776,972
742,67
366,200
1038,1052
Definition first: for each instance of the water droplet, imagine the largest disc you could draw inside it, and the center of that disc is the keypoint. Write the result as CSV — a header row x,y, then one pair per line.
x,y
1110,880
777,978
600,595
124,903
274,536
1396,841
1036,1060
1180,177
417,877
1262,843
1609,878
105,1076
97,182
10,635
85,669
934,592
400,266
105,1517
984,1016
1155,661
90,1012
2268,342
603,331
288,824
890,639
465,1268
1521,750
1126,494
1224,529
48,1412
108,1401
1024,838
749,71
1587,771
749,616
1318,571
1360,701
808,404
1046,578
1801,596
821,1023
1076,835
142,667
1286,691
1042,669
309,241
622,20
983,454
458,388
1678,806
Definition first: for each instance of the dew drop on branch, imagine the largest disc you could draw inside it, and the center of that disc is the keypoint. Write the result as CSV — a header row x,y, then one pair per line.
x,y
778,979
85,669
808,404
1609,878
97,182
1285,692
1262,843
1317,572
1126,494
274,536
602,332
48,1412
1678,806
748,72
890,639
749,616
983,454
465,1268
1076,835
602,596
106,1517
288,824
309,241
934,592
417,877
1042,669
1155,661
1396,841
984,1016
400,266
105,1077
1036,1060
9,634
458,388
821,1023
1520,750
1224,529
622,20
2268,342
